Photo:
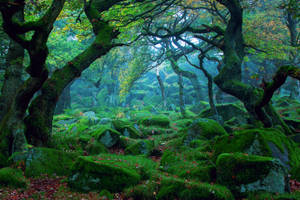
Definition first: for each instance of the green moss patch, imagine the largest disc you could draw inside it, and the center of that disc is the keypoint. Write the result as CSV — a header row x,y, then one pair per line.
x,y
265,142
247,173
166,187
161,121
203,128
45,161
10,177
110,172
107,136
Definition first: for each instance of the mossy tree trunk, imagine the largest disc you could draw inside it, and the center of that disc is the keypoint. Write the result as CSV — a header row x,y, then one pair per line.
x,y
181,99
162,88
39,120
12,125
13,72
229,78
187,74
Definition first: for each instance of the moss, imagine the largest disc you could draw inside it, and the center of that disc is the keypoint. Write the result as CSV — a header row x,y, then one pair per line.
x,y
140,147
107,136
245,173
110,172
182,123
45,161
168,187
10,177
126,128
155,130
161,121
203,129
257,142
106,195
190,164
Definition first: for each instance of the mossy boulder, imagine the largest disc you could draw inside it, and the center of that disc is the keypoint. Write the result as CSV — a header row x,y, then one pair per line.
x,y
227,111
189,164
244,173
203,128
268,142
166,187
107,136
45,161
14,178
161,121
110,172
126,128
140,147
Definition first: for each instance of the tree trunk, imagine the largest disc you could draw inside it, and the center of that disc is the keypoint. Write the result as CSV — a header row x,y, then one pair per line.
x,y
162,88
229,78
13,73
39,120
181,100
189,75
12,125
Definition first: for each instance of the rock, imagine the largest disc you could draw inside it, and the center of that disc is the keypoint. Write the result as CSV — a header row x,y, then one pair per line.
x,y
268,142
109,172
126,128
227,111
45,161
243,173
14,178
105,121
167,187
161,121
140,147
91,115
107,136
203,128
190,164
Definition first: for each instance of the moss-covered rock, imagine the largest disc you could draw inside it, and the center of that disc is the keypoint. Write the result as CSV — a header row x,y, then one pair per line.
x,y
264,142
126,128
161,121
189,164
140,147
167,187
227,111
45,161
244,173
107,136
110,172
10,177
203,128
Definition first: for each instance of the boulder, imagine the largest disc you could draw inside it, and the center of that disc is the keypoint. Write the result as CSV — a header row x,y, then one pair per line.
x,y
243,173
203,128
268,142
126,128
140,147
166,187
161,121
107,136
109,172
227,111
39,161
14,178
